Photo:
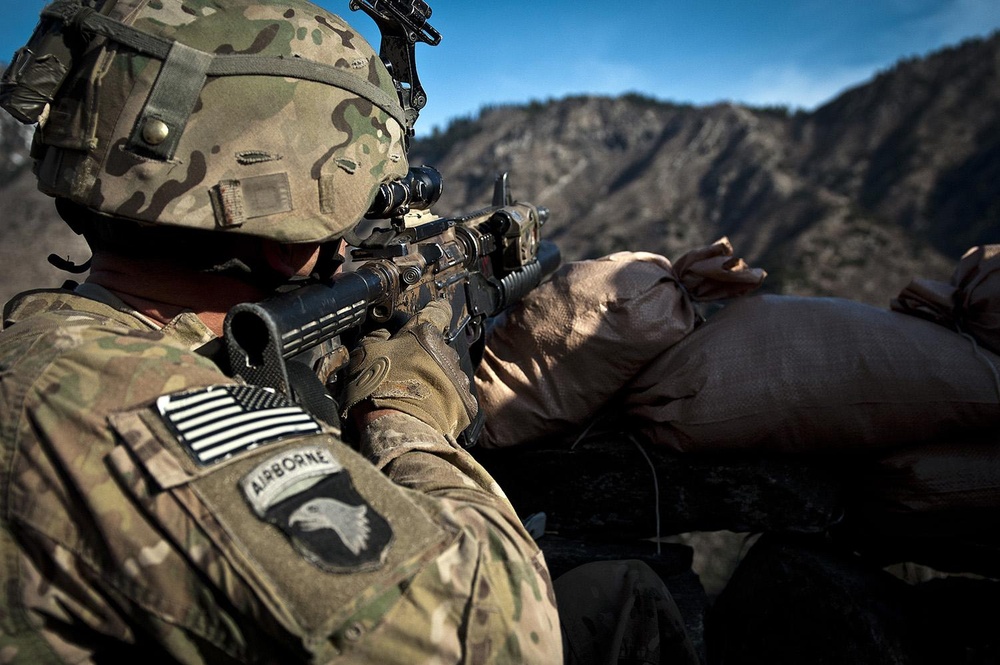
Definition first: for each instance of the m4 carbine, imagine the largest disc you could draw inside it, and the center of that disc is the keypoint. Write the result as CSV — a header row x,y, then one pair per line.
x,y
481,262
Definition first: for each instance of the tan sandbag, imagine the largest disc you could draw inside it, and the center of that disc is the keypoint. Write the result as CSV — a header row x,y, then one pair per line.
x,y
556,358
783,373
942,477
936,503
970,302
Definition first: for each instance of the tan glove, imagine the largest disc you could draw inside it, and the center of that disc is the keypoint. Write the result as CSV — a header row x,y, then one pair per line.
x,y
413,371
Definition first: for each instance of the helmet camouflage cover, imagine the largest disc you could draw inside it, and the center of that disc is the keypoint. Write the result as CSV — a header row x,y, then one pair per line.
x,y
271,118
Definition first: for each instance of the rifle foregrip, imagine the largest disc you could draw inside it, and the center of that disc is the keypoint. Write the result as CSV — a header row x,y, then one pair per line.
x,y
518,284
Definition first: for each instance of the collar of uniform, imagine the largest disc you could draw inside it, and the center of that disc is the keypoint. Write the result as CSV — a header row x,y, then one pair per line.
x,y
189,330
186,327
95,300
101,294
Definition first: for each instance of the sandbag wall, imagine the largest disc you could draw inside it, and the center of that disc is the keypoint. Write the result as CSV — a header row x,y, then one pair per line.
x,y
906,400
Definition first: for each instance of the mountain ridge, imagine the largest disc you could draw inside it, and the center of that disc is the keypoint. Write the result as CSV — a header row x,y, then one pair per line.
x,y
892,179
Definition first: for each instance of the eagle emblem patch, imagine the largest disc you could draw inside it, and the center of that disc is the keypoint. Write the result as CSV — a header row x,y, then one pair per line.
x,y
308,494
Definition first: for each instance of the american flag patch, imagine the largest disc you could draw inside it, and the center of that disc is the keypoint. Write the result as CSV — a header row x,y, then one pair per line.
x,y
218,422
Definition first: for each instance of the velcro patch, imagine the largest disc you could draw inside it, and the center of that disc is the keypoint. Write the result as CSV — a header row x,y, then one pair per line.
x,y
215,423
309,495
265,195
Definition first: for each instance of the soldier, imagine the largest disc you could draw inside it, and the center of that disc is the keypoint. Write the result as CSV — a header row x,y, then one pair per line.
x,y
155,508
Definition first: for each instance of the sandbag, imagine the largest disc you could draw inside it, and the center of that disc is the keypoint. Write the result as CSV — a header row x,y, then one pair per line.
x,y
795,374
554,360
970,302
937,478
936,503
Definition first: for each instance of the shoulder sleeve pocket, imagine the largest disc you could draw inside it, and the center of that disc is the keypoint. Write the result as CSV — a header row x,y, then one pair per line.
x,y
313,530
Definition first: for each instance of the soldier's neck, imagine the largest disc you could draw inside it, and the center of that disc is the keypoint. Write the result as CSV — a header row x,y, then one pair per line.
x,y
161,290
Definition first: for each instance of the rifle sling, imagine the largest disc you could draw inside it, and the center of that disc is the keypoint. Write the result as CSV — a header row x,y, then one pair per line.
x,y
311,394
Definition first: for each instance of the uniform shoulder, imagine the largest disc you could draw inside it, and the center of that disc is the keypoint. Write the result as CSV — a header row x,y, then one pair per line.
x,y
33,312
57,321
53,339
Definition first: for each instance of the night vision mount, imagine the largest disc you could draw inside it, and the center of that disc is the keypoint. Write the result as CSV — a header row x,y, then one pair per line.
x,y
402,23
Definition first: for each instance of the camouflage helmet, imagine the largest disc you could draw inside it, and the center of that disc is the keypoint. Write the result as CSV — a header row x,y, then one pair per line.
x,y
271,118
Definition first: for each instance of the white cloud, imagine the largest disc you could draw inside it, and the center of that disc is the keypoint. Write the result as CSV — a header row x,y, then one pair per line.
x,y
795,86
553,78
540,79
960,19
606,77
800,86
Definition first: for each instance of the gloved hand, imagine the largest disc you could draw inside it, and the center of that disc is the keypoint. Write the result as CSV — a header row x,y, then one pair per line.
x,y
413,371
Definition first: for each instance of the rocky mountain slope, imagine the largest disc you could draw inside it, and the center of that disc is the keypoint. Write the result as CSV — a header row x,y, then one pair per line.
x,y
892,179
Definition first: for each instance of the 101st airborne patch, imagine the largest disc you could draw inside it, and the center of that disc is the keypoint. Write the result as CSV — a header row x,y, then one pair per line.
x,y
307,493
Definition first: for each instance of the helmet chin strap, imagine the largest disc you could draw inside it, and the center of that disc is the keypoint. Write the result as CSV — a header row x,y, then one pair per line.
x,y
68,266
259,275
66,211
331,258
264,277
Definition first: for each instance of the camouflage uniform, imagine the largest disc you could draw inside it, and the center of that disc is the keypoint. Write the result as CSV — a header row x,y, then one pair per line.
x,y
134,524
118,543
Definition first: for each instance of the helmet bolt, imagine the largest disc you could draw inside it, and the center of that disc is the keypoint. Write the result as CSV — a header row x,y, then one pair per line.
x,y
155,132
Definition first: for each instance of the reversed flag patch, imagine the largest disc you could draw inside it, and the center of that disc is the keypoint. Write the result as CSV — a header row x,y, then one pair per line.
x,y
218,422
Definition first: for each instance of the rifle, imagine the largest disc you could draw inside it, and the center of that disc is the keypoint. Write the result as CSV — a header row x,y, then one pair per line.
x,y
482,262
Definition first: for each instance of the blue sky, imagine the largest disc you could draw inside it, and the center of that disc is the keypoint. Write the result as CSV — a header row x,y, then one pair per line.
x,y
795,52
